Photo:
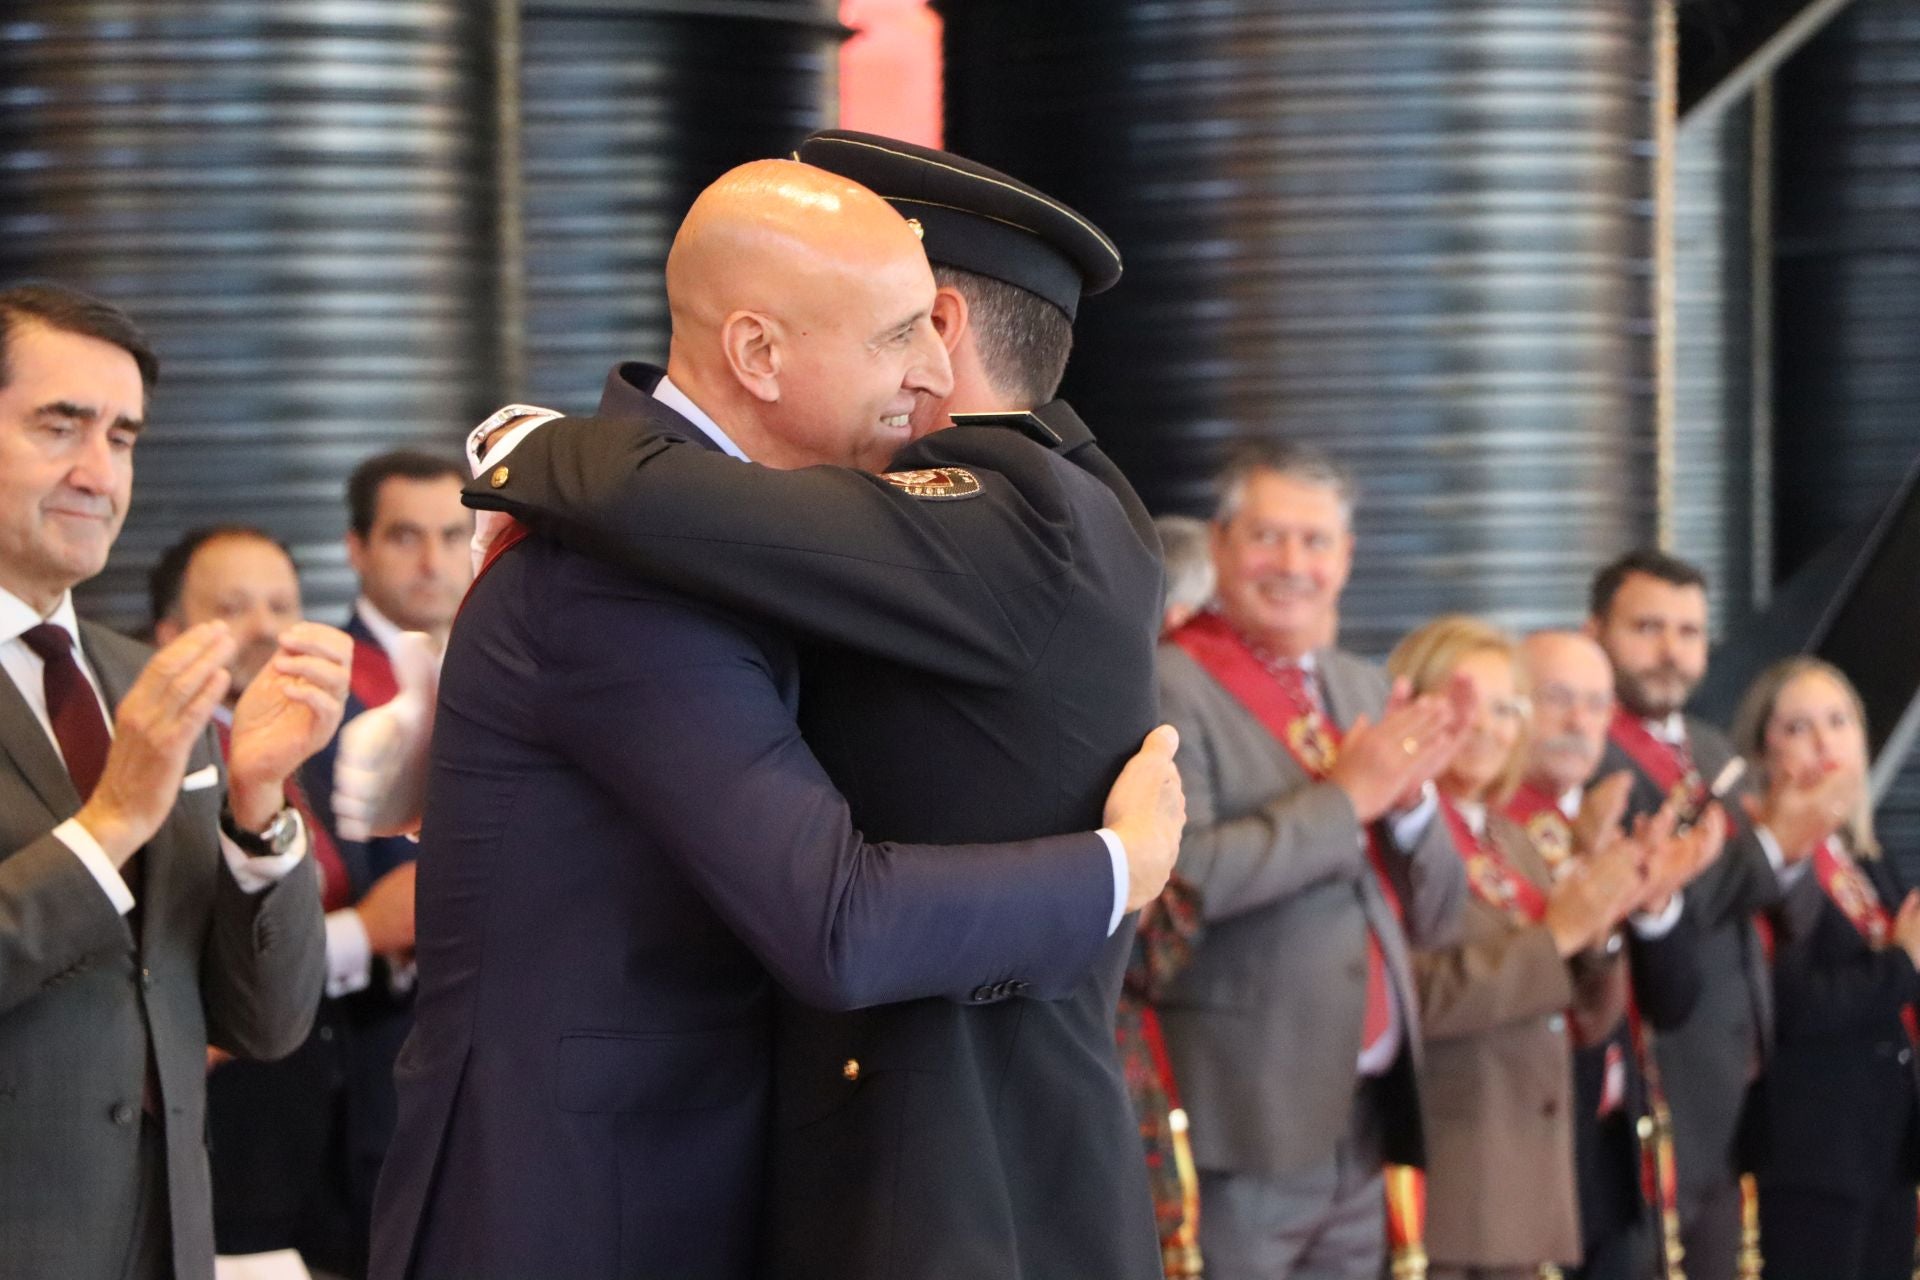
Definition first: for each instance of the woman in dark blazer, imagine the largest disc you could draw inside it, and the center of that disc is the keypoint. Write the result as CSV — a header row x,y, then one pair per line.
x,y
1836,1139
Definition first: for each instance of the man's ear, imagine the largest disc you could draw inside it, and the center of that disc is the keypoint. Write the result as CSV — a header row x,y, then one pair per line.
x,y
752,345
949,316
357,553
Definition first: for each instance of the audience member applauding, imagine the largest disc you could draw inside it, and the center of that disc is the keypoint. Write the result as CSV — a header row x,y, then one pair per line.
x,y
1497,1089
1837,1145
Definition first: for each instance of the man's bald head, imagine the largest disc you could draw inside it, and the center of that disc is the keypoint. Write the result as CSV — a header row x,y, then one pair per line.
x,y
1572,707
800,306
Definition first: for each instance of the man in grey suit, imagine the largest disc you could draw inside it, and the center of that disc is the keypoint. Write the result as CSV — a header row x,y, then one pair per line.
x,y
146,911
1312,841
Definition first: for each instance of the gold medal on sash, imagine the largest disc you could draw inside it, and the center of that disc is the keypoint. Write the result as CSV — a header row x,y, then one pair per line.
x,y
1552,837
1686,789
1307,737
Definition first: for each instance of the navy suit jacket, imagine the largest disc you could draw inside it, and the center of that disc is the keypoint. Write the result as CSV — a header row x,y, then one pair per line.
x,y
626,846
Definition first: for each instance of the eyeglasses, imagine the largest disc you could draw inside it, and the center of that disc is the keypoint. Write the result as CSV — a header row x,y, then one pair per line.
x,y
1558,697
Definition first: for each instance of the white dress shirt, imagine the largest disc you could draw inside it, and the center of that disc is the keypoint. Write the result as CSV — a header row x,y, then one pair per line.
x,y
28,673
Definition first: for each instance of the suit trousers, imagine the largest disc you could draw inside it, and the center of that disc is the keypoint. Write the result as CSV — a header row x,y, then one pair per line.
x,y
1812,1235
150,1243
1710,1232
1626,1254
1327,1222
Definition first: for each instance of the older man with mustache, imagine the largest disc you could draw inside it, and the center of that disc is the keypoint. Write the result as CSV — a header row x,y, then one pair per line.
x,y
1615,1098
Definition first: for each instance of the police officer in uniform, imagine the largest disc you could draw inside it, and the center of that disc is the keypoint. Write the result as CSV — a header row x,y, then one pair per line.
x,y
978,629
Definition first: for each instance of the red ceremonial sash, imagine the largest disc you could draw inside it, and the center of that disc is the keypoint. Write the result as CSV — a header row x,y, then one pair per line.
x,y
1538,814
1670,767
1849,889
1490,876
372,681
1313,740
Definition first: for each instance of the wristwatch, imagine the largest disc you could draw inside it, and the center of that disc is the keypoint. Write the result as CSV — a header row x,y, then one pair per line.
x,y
278,838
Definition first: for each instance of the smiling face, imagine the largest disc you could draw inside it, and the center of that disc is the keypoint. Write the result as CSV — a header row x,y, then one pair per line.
x,y
854,372
1499,721
1281,560
246,582
1814,729
1655,633
69,415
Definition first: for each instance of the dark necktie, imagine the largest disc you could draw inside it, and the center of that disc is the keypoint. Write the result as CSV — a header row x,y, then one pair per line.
x,y
72,706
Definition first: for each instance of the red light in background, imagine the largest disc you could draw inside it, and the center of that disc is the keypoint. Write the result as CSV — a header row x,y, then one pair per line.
x,y
890,70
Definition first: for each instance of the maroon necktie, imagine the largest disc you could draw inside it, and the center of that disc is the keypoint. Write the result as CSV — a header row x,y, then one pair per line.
x,y
72,706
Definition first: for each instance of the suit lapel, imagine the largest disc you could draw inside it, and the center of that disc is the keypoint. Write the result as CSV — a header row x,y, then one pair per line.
x,y
1342,699
25,743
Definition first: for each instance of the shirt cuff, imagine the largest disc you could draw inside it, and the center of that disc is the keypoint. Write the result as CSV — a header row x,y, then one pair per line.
x,y
483,459
1651,928
1410,827
1122,878
1777,859
98,864
256,875
349,953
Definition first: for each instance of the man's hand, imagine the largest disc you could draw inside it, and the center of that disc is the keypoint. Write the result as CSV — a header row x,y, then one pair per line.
x,y
289,711
1802,812
386,911
1147,809
1602,810
1585,905
153,732
1672,861
380,771
1381,765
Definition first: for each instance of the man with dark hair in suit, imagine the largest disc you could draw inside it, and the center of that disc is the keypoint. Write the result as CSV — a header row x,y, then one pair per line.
x,y
638,843
146,911
1649,612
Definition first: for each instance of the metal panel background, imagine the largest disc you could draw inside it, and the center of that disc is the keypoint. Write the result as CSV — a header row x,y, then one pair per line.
x,y
295,200
1713,517
630,107
1419,235
1848,320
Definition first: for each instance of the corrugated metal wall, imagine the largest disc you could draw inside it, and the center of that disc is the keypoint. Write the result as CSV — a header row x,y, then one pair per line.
x,y
1417,234
296,201
1848,319
1714,473
629,108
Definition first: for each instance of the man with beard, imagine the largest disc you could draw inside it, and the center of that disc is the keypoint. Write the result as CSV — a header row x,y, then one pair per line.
x,y
1649,613
1570,821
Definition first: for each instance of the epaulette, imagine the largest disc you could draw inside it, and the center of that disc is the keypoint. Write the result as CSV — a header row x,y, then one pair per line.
x,y
1022,419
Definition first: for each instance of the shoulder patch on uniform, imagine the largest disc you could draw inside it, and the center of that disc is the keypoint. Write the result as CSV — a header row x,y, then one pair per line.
x,y
943,482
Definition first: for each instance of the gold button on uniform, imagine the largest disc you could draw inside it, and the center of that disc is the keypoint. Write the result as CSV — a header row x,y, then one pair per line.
x,y
499,477
1644,1128
852,1069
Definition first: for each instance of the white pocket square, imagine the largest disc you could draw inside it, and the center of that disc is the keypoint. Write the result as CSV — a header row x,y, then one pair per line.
x,y
201,779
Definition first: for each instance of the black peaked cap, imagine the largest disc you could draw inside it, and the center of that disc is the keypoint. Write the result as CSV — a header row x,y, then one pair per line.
x,y
975,218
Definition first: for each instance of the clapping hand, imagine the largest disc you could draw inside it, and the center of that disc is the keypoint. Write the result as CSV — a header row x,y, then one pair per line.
x,y
289,712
